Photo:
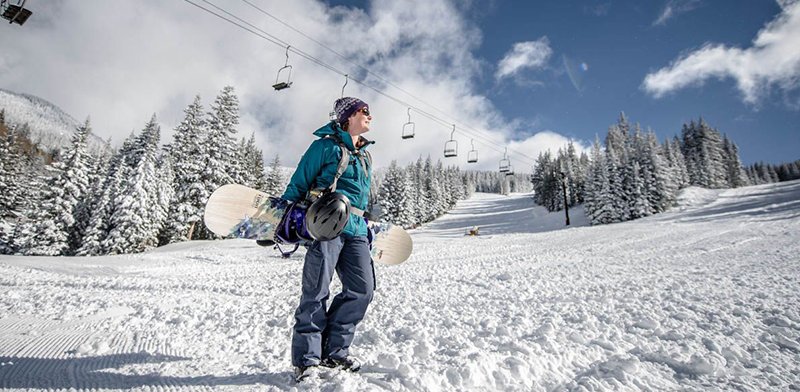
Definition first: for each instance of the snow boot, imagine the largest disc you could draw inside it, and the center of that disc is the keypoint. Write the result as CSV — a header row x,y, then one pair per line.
x,y
349,364
303,372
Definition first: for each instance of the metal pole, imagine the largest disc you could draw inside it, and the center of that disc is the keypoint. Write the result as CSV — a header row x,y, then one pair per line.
x,y
564,187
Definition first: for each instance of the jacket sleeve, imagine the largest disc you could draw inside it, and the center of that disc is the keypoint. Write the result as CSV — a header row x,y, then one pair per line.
x,y
319,153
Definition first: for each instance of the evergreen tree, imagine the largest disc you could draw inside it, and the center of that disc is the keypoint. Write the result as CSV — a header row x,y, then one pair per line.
x,y
188,157
734,173
396,204
224,161
703,150
222,164
136,220
275,183
52,221
253,172
115,179
164,198
10,161
599,205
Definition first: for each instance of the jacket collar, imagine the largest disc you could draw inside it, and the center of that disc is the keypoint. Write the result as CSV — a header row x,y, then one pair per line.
x,y
333,129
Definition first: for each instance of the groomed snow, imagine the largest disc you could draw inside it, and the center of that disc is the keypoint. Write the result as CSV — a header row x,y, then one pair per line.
x,y
702,297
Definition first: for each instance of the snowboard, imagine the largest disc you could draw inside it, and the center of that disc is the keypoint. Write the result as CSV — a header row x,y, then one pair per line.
x,y
242,212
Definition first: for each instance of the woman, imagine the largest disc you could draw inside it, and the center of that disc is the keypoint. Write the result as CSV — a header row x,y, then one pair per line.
x,y
323,336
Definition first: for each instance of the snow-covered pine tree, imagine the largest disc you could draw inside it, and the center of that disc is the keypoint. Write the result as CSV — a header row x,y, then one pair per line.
x,y
99,225
421,196
188,156
9,190
640,206
98,167
52,221
224,161
275,183
702,148
618,145
164,197
664,191
253,159
599,204
677,163
116,177
394,197
734,172
433,192
135,222
10,162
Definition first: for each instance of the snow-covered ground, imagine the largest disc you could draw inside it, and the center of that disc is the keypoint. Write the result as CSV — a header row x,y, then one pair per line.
x,y
704,297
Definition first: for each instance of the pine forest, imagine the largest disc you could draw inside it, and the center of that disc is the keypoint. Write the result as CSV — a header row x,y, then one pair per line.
x,y
84,201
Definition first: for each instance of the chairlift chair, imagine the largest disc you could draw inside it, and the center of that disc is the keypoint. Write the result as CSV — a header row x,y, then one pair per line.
x,y
472,156
408,128
505,163
510,171
286,81
15,13
451,146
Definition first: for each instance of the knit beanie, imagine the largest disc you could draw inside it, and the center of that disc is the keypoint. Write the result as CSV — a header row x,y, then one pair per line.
x,y
344,107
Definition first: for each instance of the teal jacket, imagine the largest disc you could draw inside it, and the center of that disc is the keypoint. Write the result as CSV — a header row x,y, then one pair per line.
x,y
318,166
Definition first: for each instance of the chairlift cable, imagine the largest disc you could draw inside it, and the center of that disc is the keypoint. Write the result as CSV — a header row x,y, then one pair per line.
x,y
255,30
365,69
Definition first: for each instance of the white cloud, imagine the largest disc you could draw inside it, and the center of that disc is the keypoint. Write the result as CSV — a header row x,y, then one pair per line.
x,y
772,60
120,62
674,8
529,54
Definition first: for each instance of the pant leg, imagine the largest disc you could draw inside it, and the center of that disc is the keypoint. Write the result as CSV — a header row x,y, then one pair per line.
x,y
310,317
355,270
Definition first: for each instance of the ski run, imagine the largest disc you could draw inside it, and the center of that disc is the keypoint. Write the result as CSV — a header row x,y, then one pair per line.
x,y
702,297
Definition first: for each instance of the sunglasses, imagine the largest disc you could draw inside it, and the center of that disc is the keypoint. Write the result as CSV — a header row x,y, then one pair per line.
x,y
364,110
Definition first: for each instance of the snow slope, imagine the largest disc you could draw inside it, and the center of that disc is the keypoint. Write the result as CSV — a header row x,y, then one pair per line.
x,y
703,297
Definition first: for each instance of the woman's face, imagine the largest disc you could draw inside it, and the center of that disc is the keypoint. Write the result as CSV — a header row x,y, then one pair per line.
x,y
359,121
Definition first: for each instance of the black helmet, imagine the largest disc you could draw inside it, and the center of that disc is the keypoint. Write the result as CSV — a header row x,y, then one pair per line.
x,y
327,217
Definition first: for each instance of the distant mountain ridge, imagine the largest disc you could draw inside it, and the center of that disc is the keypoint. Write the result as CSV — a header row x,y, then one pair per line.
x,y
50,126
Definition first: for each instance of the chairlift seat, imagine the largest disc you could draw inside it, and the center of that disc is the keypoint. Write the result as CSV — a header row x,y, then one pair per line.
x,y
408,130
450,149
282,85
505,165
16,14
286,82
472,157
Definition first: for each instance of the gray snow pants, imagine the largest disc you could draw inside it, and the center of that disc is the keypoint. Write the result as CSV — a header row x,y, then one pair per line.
x,y
319,334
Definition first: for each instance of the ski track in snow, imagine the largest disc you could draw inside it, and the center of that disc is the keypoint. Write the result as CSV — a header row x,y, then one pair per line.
x,y
703,297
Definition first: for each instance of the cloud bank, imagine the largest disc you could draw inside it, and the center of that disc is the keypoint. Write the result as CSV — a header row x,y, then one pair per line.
x,y
773,60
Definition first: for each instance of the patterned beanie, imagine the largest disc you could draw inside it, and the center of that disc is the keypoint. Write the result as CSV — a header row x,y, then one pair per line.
x,y
344,107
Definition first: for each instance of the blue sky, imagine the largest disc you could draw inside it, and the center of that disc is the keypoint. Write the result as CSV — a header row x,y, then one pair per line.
x,y
516,78
619,43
